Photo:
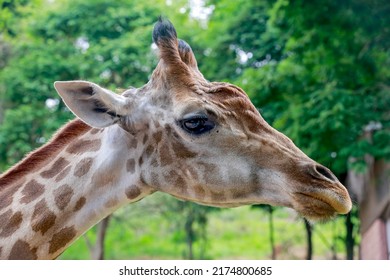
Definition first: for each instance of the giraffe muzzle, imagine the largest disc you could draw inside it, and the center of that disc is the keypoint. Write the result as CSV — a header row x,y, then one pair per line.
x,y
322,196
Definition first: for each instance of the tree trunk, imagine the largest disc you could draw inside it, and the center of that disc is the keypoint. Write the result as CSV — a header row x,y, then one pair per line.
x,y
309,232
349,239
97,250
271,231
190,235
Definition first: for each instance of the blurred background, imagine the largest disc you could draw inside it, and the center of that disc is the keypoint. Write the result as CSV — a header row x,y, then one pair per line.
x,y
319,71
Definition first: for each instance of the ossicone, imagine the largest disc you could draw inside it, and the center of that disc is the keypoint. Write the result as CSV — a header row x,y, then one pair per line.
x,y
176,55
164,32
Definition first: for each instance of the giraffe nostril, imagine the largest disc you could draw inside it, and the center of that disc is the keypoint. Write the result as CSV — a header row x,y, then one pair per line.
x,y
324,172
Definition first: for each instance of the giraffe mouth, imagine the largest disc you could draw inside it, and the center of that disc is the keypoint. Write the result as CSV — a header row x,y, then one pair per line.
x,y
322,205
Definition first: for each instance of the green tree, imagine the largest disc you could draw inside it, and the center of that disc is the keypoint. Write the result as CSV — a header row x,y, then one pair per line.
x,y
270,211
190,226
105,42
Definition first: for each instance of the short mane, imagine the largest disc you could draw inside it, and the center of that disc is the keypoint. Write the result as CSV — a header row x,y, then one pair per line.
x,y
37,158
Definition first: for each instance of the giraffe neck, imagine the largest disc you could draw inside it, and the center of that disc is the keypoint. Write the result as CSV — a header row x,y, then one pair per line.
x,y
49,200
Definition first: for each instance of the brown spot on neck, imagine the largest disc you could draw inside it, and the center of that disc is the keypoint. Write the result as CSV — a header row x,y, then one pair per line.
x,y
38,158
62,196
56,168
132,144
42,219
133,192
6,196
83,146
79,204
31,191
157,137
100,180
61,239
22,251
10,222
83,167
149,150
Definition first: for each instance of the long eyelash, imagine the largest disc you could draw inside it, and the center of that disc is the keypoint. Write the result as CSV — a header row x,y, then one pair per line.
x,y
200,117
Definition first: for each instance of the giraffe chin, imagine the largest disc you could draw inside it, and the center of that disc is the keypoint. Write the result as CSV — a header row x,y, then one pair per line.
x,y
314,208
216,204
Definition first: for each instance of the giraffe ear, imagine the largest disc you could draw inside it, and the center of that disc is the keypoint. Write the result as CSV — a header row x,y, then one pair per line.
x,y
96,106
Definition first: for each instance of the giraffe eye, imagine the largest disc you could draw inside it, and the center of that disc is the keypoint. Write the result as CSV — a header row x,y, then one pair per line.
x,y
197,124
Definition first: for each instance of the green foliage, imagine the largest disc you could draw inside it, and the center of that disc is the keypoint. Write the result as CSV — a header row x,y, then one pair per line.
x,y
25,127
191,227
11,11
105,42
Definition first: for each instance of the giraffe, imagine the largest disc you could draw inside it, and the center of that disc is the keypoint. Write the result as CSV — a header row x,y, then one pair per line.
x,y
180,134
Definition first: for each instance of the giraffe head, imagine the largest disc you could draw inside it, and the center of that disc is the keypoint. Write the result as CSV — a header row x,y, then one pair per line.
x,y
205,141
